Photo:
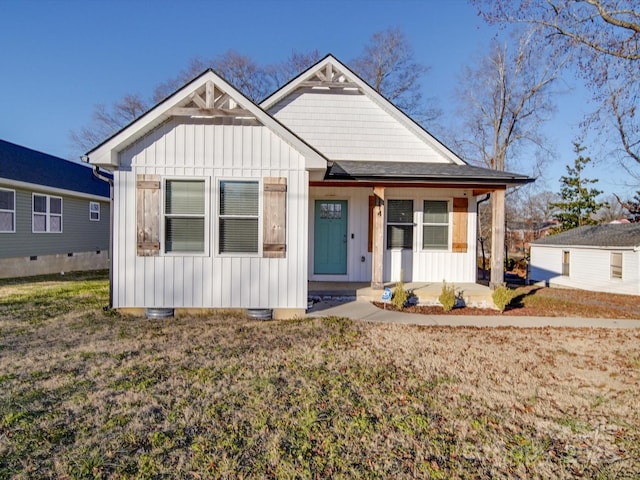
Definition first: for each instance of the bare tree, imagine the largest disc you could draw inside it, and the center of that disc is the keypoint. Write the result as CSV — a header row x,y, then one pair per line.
x,y
540,206
389,58
505,99
297,62
107,120
612,211
603,37
387,63
241,71
195,67
631,206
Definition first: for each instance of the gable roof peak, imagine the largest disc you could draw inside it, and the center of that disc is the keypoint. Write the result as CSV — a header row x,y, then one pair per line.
x,y
207,95
330,73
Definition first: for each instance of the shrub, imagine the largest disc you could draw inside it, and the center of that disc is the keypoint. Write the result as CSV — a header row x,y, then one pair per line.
x,y
502,297
400,296
447,297
509,264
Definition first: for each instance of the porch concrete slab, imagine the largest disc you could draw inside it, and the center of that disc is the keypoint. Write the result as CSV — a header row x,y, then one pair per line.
x,y
473,294
363,310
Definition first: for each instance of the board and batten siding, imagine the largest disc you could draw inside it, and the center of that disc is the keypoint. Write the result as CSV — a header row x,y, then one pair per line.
x,y
589,268
418,265
183,148
79,234
349,126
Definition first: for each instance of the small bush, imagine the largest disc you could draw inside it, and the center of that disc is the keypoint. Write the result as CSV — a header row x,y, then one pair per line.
x,y
502,297
447,297
400,296
509,264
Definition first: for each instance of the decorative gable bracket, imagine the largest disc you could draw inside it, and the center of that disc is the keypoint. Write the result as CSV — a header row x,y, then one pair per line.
x,y
211,102
331,78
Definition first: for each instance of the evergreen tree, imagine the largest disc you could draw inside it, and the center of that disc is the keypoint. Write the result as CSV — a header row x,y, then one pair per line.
x,y
578,203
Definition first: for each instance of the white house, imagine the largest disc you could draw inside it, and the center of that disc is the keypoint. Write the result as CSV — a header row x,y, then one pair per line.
x,y
603,258
221,203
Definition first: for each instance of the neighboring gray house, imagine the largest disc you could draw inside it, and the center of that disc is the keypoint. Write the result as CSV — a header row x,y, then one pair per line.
x,y
603,258
54,214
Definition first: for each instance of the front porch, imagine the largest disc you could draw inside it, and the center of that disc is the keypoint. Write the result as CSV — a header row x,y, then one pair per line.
x,y
474,294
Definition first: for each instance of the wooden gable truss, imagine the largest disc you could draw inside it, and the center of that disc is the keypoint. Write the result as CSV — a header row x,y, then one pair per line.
x,y
209,101
330,78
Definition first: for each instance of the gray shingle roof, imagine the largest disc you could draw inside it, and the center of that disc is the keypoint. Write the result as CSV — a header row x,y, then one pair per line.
x,y
420,171
25,165
609,235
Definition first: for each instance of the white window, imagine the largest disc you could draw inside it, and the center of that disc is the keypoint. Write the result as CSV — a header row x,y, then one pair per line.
x,y
239,216
435,225
47,214
7,211
94,211
184,216
616,265
399,223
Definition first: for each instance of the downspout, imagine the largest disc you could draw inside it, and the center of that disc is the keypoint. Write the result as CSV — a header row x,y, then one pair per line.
x,y
484,264
98,174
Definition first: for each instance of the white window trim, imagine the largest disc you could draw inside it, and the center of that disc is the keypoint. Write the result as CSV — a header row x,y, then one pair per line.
x,y
615,278
258,180
449,202
207,219
91,211
13,226
47,213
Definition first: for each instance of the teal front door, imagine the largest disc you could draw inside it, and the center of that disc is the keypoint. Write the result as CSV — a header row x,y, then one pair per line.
x,y
330,242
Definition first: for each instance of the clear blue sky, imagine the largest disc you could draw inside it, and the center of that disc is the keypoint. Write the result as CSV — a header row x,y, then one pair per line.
x,y
59,58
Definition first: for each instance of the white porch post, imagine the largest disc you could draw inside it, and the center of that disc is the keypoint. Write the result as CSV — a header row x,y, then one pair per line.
x,y
497,239
378,239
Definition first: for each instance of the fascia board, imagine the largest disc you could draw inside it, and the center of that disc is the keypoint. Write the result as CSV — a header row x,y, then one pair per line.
x,y
107,154
585,247
37,187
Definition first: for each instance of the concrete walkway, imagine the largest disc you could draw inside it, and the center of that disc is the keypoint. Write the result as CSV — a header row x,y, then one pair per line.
x,y
362,310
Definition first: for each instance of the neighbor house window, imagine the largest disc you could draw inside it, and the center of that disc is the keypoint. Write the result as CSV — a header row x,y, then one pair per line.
x,y
184,216
238,216
435,225
7,211
565,263
399,223
47,214
94,211
616,265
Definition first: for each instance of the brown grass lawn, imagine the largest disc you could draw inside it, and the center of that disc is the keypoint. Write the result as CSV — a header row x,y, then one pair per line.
x,y
90,394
